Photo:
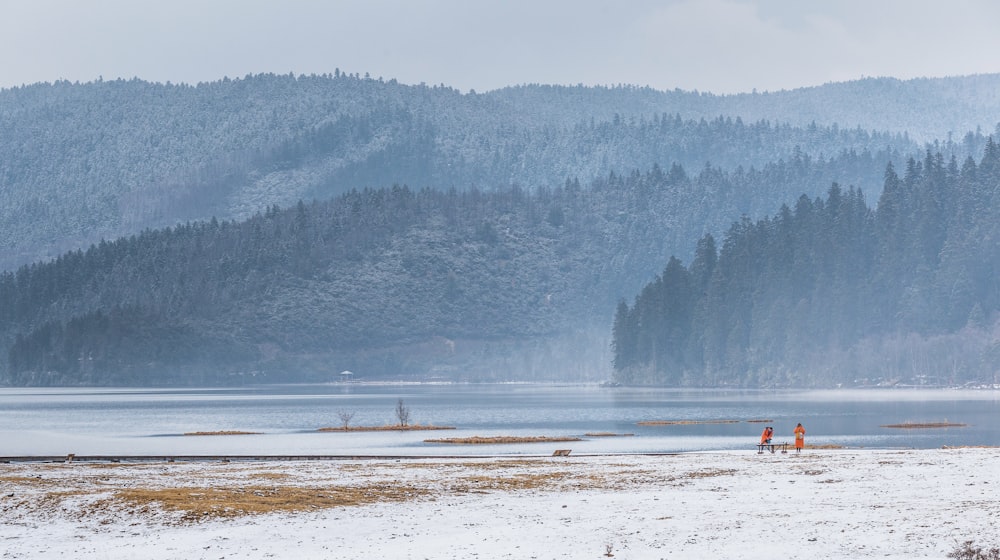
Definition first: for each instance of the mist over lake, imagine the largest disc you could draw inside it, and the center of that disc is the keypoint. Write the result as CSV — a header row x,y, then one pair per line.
x,y
284,419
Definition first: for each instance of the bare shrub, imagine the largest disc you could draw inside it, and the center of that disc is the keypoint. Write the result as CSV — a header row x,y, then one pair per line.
x,y
402,413
345,418
968,551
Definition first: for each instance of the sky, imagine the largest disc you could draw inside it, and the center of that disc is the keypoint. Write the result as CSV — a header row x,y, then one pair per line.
x,y
718,46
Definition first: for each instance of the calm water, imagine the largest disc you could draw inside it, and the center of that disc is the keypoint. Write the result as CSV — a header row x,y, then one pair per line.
x,y
152,422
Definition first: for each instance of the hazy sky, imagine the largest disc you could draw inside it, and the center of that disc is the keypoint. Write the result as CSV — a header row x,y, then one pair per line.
x,y
722,46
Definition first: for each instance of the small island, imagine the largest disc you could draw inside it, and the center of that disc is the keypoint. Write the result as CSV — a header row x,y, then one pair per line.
x,y
922,425
386,428
403,425
480,440
683,422
222,433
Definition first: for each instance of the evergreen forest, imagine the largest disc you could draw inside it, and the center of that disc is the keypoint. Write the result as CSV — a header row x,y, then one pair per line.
x,y
483,284
833,292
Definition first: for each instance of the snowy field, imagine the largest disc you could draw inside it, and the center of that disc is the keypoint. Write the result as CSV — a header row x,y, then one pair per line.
x,y
822,504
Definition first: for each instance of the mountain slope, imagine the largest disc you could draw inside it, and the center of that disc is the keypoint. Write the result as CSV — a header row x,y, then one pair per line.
x,y
500,284
81,162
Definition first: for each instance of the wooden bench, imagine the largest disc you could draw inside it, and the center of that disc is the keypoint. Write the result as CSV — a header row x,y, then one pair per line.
x,y
771,447
561,453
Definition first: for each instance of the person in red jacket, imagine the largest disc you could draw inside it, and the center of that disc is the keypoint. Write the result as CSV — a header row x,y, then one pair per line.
x,y
800,438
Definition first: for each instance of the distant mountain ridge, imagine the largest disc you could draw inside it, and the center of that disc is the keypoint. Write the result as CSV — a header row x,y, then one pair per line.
x,y
81,162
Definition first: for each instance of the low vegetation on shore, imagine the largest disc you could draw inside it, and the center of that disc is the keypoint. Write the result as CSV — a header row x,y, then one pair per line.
x,y
386,428
923,425
683,422
480,440
222,433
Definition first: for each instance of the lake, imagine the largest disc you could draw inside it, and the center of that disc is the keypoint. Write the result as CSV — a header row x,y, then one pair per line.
x,y
59,421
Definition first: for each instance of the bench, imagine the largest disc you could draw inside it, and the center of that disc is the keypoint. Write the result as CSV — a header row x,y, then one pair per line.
x,y
771,447
561,453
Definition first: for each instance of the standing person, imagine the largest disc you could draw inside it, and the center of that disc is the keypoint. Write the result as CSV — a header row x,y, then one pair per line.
x,y
800,438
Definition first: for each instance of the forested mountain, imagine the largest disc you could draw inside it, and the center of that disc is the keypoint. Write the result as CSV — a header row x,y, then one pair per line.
x,y
500,284
82,162
283,228
832,292
925,109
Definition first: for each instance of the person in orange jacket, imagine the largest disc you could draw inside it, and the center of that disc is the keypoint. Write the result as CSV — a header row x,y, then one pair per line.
x,y
800,438
765,436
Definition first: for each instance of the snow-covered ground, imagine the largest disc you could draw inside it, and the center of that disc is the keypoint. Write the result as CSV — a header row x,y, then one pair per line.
x,y
822,504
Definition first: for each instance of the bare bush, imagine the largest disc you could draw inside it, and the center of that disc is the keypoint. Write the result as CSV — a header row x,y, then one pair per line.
x,y
402,413
969,551
345,418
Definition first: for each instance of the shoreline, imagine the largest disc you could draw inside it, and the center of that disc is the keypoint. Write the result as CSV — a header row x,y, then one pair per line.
x,y
243,458
291,460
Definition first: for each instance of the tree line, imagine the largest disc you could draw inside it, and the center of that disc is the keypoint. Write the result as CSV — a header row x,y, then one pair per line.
x,y
833,292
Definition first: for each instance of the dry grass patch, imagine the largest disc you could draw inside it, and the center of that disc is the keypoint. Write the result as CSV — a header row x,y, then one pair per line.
x,y
26,480
528,481
269,476
189,493
222,433
490,464
709,473
393,428
922,425
480,440
203,503
683,422
48,502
